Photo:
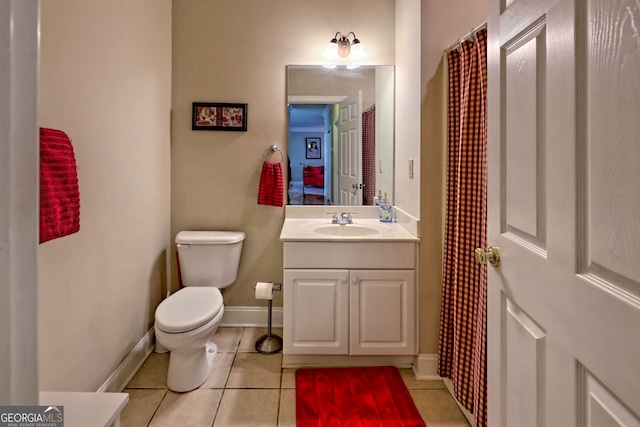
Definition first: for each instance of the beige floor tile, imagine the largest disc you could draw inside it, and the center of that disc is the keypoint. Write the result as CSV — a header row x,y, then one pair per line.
x,y
287,412
152,373
194,409
288,378
251,335
248,407
254,370
412,383
438,409
227,339
219,371
246,388
142,404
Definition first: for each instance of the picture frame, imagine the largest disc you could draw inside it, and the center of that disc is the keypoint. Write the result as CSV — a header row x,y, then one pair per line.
x,y
314,148
219,116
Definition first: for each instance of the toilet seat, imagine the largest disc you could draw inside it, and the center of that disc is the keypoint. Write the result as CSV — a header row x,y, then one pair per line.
x,y
188,309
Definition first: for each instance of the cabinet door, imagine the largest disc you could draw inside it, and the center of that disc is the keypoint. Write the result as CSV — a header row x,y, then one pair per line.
x,y
316,315
383,312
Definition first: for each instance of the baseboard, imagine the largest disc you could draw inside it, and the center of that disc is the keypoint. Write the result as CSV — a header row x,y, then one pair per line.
x,y
233,317
119,379
425,367
323,361
251,317
468,415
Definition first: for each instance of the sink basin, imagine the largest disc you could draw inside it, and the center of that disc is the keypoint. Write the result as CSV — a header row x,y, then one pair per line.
x,y
352,230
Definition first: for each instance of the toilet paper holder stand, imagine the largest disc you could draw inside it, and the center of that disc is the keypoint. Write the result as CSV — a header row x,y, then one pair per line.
x,y
270,343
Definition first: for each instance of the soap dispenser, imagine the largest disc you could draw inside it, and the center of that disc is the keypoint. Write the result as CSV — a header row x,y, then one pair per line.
x,y
386,210
377,201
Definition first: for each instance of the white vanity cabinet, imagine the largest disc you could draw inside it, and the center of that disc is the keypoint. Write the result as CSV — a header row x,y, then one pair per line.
x,y
382,315
350,298
316,311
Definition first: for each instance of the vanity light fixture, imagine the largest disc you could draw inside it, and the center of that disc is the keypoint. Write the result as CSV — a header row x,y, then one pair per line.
x,y
341,47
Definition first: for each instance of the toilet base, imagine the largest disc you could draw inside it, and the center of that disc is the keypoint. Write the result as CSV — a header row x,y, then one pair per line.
x,y
189,370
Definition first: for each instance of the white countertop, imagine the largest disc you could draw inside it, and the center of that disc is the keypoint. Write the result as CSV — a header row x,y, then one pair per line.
x,y
302,229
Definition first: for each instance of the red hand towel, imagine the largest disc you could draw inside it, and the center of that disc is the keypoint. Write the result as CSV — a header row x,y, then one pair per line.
x,y
271,190
59,195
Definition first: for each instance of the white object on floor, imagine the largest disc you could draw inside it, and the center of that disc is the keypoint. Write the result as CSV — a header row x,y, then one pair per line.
x,y
87,409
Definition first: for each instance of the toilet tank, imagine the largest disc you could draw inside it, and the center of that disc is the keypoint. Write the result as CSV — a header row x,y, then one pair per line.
x,y
209,258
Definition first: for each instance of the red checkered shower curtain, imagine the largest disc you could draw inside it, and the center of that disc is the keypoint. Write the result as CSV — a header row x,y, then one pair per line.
x,y
369,155
462,353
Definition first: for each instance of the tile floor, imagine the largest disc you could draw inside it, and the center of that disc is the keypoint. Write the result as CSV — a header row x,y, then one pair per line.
x,y
246,388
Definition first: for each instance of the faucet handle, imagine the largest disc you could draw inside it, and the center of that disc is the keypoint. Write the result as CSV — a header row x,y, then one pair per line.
x,y
335,219
350,217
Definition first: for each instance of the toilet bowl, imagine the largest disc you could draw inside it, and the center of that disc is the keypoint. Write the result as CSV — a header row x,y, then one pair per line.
x,y
185,324
186,321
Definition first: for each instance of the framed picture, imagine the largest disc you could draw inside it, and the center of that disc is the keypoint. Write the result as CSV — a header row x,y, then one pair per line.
x,y
219,116
314,148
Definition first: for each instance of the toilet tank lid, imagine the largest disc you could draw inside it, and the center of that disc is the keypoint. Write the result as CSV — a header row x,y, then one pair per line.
x,y
208,237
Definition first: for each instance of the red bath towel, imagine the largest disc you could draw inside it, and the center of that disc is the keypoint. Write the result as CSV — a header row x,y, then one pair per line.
x,y
59,194
271,190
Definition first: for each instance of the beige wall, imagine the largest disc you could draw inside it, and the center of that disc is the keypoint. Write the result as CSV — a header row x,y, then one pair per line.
x,y
226,51
407,129
443,22
106,81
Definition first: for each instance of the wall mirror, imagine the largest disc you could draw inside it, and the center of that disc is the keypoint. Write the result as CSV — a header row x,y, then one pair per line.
x,y
341,134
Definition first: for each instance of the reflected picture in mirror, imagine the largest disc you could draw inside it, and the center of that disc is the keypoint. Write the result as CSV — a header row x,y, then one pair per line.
x,y
313,148
350,114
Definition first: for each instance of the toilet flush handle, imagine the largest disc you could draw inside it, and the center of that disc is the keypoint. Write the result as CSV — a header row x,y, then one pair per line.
x,y
182,245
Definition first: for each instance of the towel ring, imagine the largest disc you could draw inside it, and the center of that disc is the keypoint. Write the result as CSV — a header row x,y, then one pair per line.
x,y
273,148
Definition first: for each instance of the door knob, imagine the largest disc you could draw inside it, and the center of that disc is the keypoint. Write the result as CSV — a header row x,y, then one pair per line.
x,y
357,186
492,255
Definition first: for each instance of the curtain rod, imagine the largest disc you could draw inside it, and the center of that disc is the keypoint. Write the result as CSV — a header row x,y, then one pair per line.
x,y
466,36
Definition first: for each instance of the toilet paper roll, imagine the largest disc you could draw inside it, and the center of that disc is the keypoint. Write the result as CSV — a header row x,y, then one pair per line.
x,y
264,290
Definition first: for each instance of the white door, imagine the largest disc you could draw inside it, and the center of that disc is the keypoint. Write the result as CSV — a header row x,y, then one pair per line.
x,y
19,173
318,319
383,312
350,148
564,210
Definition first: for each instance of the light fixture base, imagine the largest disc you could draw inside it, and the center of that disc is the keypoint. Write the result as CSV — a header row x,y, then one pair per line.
x,y
340,47
344,47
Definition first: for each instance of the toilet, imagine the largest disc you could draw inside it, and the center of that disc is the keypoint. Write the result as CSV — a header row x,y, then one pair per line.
x,y
186,320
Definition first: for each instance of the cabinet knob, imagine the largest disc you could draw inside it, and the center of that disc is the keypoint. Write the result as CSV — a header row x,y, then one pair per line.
x,y
354,280
343,280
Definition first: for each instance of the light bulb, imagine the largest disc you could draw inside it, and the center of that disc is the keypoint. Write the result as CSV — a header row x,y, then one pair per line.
x,y
357,51
331,52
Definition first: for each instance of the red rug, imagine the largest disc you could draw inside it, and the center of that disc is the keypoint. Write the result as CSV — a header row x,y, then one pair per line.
x,y
362,397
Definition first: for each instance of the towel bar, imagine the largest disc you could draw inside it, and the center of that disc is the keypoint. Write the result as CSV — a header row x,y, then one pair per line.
x,y
273,148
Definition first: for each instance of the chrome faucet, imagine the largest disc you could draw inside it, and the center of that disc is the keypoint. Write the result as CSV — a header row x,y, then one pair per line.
x,y
345,218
